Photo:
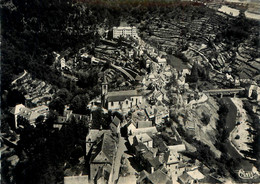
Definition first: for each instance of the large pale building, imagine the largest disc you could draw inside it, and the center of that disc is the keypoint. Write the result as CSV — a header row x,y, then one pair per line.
x,y
120,100
124,32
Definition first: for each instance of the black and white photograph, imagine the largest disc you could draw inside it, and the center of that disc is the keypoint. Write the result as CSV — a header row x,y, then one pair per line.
x,y
130,91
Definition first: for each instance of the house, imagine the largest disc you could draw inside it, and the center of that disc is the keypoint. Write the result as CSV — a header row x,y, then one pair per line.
x,y
42,109
161,61
92,137
135,131
143,124
115,125
161,113
102,155
76,179
139,115
103,174
177,148
194,176
150,111
124,32
158,177
254,92
185,72
143,138
29,114
149,162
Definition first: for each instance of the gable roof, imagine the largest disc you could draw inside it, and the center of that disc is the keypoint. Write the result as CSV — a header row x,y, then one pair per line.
x,y
122,95
143,138
143,174
144,124
177,148
104,172
152,130
94,134
196,174
28,114
159,177
105,150
184,178
116,121
17,109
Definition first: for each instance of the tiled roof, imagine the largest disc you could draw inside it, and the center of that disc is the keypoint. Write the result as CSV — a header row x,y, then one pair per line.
x,y
196,174
159,177
107,146
122,95
144,124
94,134
116,121
143,137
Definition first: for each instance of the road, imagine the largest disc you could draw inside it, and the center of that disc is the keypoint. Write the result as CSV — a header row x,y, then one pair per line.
x,y
25,72
121,148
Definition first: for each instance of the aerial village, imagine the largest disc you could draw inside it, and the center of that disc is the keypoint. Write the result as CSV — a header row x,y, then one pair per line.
x,y
142,145
156,109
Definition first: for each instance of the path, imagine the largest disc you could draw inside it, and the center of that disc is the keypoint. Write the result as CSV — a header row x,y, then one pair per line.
x,y
25,72
117,161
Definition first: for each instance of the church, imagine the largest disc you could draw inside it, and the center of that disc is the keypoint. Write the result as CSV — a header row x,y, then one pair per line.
x,y
120,100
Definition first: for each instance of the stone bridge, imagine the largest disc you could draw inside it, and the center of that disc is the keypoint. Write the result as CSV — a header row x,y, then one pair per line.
x,y
222,92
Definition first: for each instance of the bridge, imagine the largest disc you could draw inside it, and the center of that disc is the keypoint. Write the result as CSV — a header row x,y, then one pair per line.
x,y
221,92
123,71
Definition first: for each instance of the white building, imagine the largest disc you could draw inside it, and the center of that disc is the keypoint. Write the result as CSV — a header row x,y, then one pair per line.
x,y
120,100
117,100
124,32
29,114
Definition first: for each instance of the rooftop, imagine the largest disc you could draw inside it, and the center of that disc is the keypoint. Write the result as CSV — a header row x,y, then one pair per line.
x,y
107,146
94,134
122,95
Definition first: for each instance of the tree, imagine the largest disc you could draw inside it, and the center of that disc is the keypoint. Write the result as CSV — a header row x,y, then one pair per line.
x,y
79,104
205,118
15,97
57,105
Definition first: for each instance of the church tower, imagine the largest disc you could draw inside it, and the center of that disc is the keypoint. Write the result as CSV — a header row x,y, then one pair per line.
x,y
104,91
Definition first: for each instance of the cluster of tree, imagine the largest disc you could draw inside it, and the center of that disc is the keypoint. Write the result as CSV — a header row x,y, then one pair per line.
x,y
198,72
205,118
224,166
43,152
221,123
255,131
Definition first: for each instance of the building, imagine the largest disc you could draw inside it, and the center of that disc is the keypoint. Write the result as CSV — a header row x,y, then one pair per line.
x,y
115,125
29,114
102,156
194,176
124,32
143,138
161,61
254,92
132,130
120,100
92,137
158,177
76,179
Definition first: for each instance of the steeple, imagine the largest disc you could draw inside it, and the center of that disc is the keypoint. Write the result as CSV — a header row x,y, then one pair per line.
x,y
104,86
104,91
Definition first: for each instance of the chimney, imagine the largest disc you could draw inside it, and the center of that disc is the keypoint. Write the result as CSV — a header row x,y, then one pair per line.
x,y
152,170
